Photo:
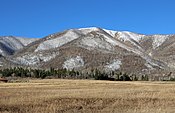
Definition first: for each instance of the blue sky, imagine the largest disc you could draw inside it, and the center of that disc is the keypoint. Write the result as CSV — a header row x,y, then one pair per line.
x,y
38,18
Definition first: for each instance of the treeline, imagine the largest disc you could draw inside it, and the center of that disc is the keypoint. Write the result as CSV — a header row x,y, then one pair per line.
x,y
38,73
71,74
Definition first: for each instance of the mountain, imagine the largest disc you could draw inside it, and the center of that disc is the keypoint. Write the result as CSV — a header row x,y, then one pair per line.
x,y
9,44
91,48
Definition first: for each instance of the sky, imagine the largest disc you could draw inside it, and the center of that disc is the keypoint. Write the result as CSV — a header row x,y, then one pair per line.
x,y
39,18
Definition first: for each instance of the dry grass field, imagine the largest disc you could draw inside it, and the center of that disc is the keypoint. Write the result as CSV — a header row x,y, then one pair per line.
x,y
87,96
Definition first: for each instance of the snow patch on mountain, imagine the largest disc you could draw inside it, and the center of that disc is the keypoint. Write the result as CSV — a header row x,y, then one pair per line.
x,y
115,65
88,30
159,40
26,41
108,39
131,37
58,41
11,42
105,42
110,32
128,36
73,63
102,41
8,45
35,58
97,43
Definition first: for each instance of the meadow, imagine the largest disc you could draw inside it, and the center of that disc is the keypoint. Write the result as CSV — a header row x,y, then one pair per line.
x,y
87,96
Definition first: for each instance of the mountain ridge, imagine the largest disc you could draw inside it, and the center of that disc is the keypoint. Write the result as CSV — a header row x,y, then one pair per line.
x,y
87,48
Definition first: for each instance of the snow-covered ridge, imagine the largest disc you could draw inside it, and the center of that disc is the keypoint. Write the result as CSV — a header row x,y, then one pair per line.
x,y
110,32
105,42
95,40
125,35
88,30
110,37
128,36
58,41
159,40
26,41
9,44
102,41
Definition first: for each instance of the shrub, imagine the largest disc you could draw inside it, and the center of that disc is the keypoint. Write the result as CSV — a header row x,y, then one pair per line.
x,y
124,77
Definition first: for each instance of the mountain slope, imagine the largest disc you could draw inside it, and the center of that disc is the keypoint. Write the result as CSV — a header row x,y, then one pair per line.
x,y
90,48
9,45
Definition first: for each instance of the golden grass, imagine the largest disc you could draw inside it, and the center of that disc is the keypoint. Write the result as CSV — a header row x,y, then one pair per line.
x,y
87,96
